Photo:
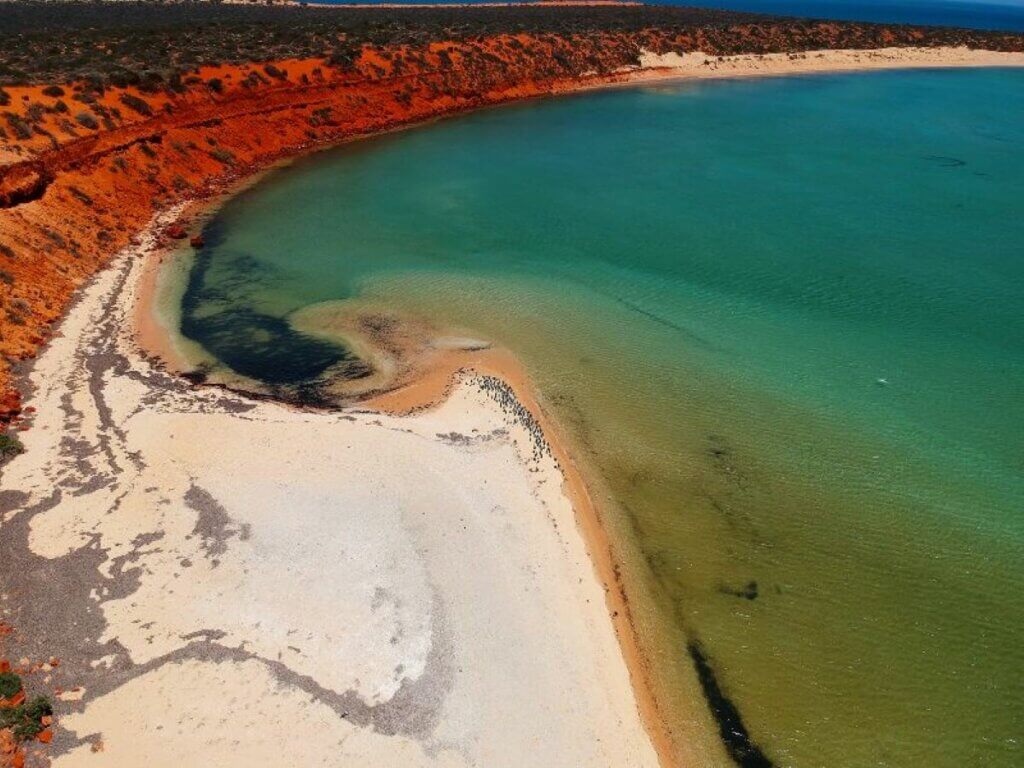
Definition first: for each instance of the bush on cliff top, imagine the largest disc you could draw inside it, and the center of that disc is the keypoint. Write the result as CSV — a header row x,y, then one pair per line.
x,y
63,42
136,104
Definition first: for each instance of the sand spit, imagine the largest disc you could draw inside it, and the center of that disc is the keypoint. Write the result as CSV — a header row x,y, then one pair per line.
x,y
241,583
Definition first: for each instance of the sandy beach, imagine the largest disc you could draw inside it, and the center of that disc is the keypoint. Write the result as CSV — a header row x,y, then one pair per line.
x,y
399,590
702,66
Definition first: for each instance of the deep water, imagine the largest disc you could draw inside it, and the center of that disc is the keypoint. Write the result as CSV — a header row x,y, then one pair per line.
x,y
783,321
1007,15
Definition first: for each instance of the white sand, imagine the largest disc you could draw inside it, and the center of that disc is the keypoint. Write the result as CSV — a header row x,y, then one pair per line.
x,y
702,66
306,588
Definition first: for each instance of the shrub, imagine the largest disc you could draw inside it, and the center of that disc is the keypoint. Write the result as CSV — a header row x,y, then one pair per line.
x,y
26,720
10,446
53,90
175,84
22,130
274,72
5,98
6,277
10,683
151,81
86,120
222,155
136,104
215,84
80,196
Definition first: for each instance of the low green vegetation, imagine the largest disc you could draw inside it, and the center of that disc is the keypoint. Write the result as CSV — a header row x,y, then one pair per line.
x,y
26,720
10,684
154,46
9,446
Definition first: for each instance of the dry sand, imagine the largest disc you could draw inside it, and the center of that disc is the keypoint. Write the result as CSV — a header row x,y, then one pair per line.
x,y
701,66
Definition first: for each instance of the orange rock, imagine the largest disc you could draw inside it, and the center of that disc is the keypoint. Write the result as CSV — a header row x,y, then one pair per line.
x,y
13,701
45,736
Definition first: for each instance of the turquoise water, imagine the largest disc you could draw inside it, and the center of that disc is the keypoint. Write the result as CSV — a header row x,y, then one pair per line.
x,y
783,321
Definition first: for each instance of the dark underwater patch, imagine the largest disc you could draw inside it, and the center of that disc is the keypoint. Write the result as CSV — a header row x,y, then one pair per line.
x,y
744,752
266,348
748,591
256,345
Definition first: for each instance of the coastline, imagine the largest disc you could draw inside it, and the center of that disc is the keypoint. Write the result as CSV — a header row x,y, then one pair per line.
x,y
183,446
431,393
435,385
428,392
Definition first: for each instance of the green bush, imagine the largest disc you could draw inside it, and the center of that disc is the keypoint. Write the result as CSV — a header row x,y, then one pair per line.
x,y
10,684
10,446
26,720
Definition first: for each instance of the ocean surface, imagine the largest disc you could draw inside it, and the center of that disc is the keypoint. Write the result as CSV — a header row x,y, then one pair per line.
x,y
977,14
782,321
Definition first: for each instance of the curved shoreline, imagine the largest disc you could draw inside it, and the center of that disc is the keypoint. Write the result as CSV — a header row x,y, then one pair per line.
x,y
186,438
432,391
432,388
429,391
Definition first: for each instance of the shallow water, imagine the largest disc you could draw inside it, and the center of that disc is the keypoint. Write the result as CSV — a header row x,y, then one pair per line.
x,y
782,322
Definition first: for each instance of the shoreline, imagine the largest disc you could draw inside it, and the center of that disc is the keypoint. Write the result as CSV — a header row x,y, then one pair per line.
x,y
133,434
431,389
430,393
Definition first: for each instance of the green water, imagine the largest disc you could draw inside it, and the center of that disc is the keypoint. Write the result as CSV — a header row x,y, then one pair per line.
x,y
783,321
